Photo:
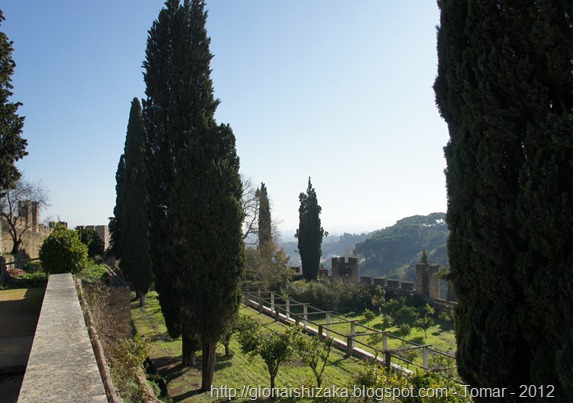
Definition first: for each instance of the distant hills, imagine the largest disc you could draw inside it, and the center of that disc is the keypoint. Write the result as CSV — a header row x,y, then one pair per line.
x,y
392,251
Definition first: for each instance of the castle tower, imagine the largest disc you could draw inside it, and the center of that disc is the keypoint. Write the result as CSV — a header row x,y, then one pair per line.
x,y
426,281
345,269
29,212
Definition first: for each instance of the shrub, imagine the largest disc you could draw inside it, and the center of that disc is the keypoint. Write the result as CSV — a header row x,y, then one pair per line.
x,y
94,273
63,252
331,294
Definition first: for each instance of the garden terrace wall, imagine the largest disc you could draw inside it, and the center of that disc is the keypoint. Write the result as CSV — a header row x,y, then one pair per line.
x,y
62,366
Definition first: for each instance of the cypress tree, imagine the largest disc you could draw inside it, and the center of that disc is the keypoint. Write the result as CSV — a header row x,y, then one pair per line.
x,y
115,221
179,109
174,67
505,89
135,256
207,207
309,233
12,145
265,226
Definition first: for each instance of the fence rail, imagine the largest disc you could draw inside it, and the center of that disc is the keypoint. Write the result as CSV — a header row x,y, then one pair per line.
x,y
431,359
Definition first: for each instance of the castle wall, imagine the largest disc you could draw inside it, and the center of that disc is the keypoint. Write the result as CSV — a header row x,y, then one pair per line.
x,y
344,268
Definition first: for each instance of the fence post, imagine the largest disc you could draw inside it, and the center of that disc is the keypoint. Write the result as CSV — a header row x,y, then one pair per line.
x,y
387,359
349,345
425,357
385,342
352,328
320,337
272,301
328,323
305,313
287,302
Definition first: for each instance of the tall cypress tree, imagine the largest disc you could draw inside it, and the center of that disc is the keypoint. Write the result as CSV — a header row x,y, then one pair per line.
x,y
115,221
505,88
135,249
178,96
207,207
178,111
12,145
265,225
309,233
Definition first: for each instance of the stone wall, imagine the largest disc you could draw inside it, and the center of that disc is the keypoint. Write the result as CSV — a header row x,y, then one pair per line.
x,y
32,239
426,281
343,268
62,366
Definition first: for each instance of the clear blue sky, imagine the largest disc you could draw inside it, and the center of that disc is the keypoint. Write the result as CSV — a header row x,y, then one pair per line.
x,y
340,91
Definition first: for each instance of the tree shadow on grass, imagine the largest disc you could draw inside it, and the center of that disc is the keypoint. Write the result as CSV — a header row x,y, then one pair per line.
x,y
186,395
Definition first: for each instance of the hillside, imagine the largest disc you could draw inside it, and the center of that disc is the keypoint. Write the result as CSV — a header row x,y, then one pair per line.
x,y
332,245
394,250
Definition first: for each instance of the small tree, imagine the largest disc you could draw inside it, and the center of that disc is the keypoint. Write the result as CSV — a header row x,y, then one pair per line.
x,y
276,349
368,315
13,201
386,321
63,252
379,298
314,353
425,321
272,347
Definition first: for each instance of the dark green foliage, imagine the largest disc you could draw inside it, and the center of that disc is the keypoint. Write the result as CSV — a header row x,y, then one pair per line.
x,y
309,233
265,228
135,250
399,245
505,88
207,209
115,221
12,145
331,294
63,252
179,95
194,187
406,314
91,239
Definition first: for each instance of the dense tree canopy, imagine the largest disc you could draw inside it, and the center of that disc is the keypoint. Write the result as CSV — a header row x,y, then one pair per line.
x,y
194,187
12,145
505,88
309,233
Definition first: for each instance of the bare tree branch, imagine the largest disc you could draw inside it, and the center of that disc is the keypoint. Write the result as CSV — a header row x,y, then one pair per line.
x,y
9,208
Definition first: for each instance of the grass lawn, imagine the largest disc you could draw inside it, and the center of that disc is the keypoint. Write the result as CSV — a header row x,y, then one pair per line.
x,y
439,337
237,371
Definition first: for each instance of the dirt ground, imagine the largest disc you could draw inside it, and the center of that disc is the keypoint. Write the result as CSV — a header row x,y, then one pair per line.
x,y
19,312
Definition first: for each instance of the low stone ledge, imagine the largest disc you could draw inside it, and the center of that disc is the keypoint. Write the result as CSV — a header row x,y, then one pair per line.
x,y
62,366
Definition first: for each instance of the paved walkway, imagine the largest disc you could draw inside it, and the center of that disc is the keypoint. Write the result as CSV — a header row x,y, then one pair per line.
x,y
62,366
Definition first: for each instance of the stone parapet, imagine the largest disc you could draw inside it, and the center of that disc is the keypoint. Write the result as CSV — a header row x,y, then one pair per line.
x,y
62,365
